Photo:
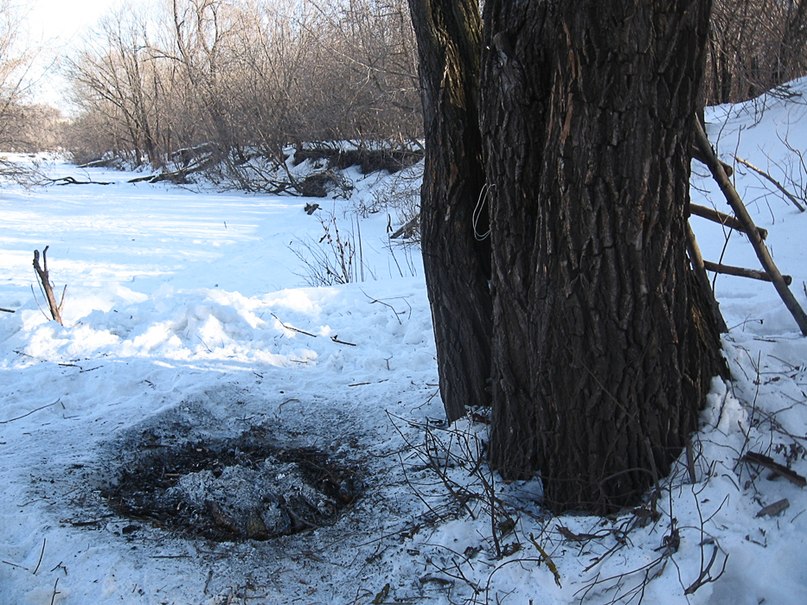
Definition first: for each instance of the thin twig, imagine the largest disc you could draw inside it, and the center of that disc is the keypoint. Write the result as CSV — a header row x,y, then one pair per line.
x,y
548,560
381,302
705,576
41,554
29,413
293,329
773,181
55,592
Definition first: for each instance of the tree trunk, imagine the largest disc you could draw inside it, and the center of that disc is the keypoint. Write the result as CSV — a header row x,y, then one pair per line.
x,y
602,350
456,261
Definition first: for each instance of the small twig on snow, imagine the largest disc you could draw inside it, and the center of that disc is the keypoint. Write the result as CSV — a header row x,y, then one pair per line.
x,y
55,592
335,338
705,576
292,328
31,412
547,559
381,302
41,554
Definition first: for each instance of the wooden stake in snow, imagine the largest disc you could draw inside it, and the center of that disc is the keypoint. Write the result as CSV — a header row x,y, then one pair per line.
x,y
47,287
707,155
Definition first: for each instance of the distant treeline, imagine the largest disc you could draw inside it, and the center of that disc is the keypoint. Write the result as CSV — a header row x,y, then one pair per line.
x,y
247,76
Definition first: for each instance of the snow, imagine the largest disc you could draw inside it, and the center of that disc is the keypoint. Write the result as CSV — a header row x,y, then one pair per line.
x,y
188,317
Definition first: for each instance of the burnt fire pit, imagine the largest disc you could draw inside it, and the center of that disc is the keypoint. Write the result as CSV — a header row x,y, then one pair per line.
x,y
242,488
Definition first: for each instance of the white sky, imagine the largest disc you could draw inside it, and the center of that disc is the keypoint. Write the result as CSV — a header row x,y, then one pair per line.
x,y
54,27
63,19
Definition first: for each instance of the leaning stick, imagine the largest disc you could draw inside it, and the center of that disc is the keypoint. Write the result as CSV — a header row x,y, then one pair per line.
x,y
740,211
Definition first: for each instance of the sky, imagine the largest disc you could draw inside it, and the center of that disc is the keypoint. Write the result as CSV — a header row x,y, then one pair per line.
x,y
55,27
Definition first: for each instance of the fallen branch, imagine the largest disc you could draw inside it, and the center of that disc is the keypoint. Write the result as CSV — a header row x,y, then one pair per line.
x,y
102,163
69,180
42,273
142,179
772,465
408,229
179,176
55,592
41,554
772,181
571,536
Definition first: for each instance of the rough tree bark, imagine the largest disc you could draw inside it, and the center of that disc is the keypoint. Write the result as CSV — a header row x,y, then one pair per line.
x,y
602,350
456,262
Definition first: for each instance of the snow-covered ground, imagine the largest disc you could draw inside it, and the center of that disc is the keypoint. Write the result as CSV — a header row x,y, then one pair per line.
x,y
187,318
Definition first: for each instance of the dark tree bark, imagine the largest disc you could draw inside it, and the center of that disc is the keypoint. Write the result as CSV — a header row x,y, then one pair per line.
x,y
602,350
456,262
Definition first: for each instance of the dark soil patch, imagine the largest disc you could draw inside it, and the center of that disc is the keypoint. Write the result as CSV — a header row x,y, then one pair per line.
x,y
232,489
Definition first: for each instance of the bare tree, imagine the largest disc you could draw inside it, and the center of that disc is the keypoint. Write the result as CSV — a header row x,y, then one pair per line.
x,y
14,65
369,51
115,82
247,76
754,45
